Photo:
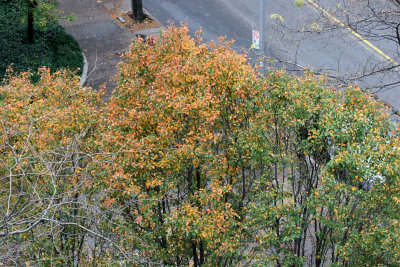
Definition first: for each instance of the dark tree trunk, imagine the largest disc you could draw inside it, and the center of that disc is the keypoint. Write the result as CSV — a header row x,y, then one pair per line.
x,y
31,9
195,257
137,9
201,253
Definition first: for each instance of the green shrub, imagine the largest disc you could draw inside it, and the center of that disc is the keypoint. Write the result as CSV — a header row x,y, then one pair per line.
x,y
67,52
53,47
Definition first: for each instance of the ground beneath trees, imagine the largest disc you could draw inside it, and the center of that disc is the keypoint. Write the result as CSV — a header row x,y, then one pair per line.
x,y
102,37
134,26
119,9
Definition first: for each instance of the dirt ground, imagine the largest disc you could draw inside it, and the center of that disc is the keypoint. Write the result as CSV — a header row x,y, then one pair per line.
x,y
128,21
133,26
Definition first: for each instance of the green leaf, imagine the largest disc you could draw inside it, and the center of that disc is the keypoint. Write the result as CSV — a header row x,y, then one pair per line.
x,y
298,3
276,16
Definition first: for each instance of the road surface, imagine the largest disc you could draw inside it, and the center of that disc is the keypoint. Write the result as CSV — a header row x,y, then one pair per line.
x,y
337,52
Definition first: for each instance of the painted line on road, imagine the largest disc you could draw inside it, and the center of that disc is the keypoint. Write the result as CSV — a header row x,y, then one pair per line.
x,y
361,38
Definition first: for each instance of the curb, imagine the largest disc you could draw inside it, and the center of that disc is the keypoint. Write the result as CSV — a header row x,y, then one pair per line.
x,y
153,17
85,70
151,31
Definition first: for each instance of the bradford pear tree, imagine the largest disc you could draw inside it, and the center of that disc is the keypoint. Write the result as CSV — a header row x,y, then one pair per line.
x,y
49,212
331,196
176,120
196,159
215,165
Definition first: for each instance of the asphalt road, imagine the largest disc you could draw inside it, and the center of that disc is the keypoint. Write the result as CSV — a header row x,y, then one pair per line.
x,y
336,52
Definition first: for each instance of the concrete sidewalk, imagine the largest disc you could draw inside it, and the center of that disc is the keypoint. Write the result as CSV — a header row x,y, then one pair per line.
x,y
101,38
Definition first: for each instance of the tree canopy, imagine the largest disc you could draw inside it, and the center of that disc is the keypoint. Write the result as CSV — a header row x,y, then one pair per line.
x,y
197,159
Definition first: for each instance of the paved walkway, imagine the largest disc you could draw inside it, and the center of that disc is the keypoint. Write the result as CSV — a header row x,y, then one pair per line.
x,y
101,38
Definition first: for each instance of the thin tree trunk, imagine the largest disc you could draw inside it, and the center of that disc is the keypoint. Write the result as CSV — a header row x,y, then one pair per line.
x,y
195,257
201,253
31,9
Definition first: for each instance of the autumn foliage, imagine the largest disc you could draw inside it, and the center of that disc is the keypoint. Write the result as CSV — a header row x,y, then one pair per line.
x,y
197,159
46,141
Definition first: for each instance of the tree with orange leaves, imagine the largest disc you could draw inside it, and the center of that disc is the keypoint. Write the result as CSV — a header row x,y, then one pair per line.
x,y
196,160
47,132
176,121
215,165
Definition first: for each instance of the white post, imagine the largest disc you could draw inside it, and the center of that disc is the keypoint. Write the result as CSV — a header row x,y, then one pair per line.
x,y
262,23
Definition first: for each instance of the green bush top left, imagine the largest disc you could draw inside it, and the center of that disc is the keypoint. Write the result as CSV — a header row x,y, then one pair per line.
x,y
51,46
